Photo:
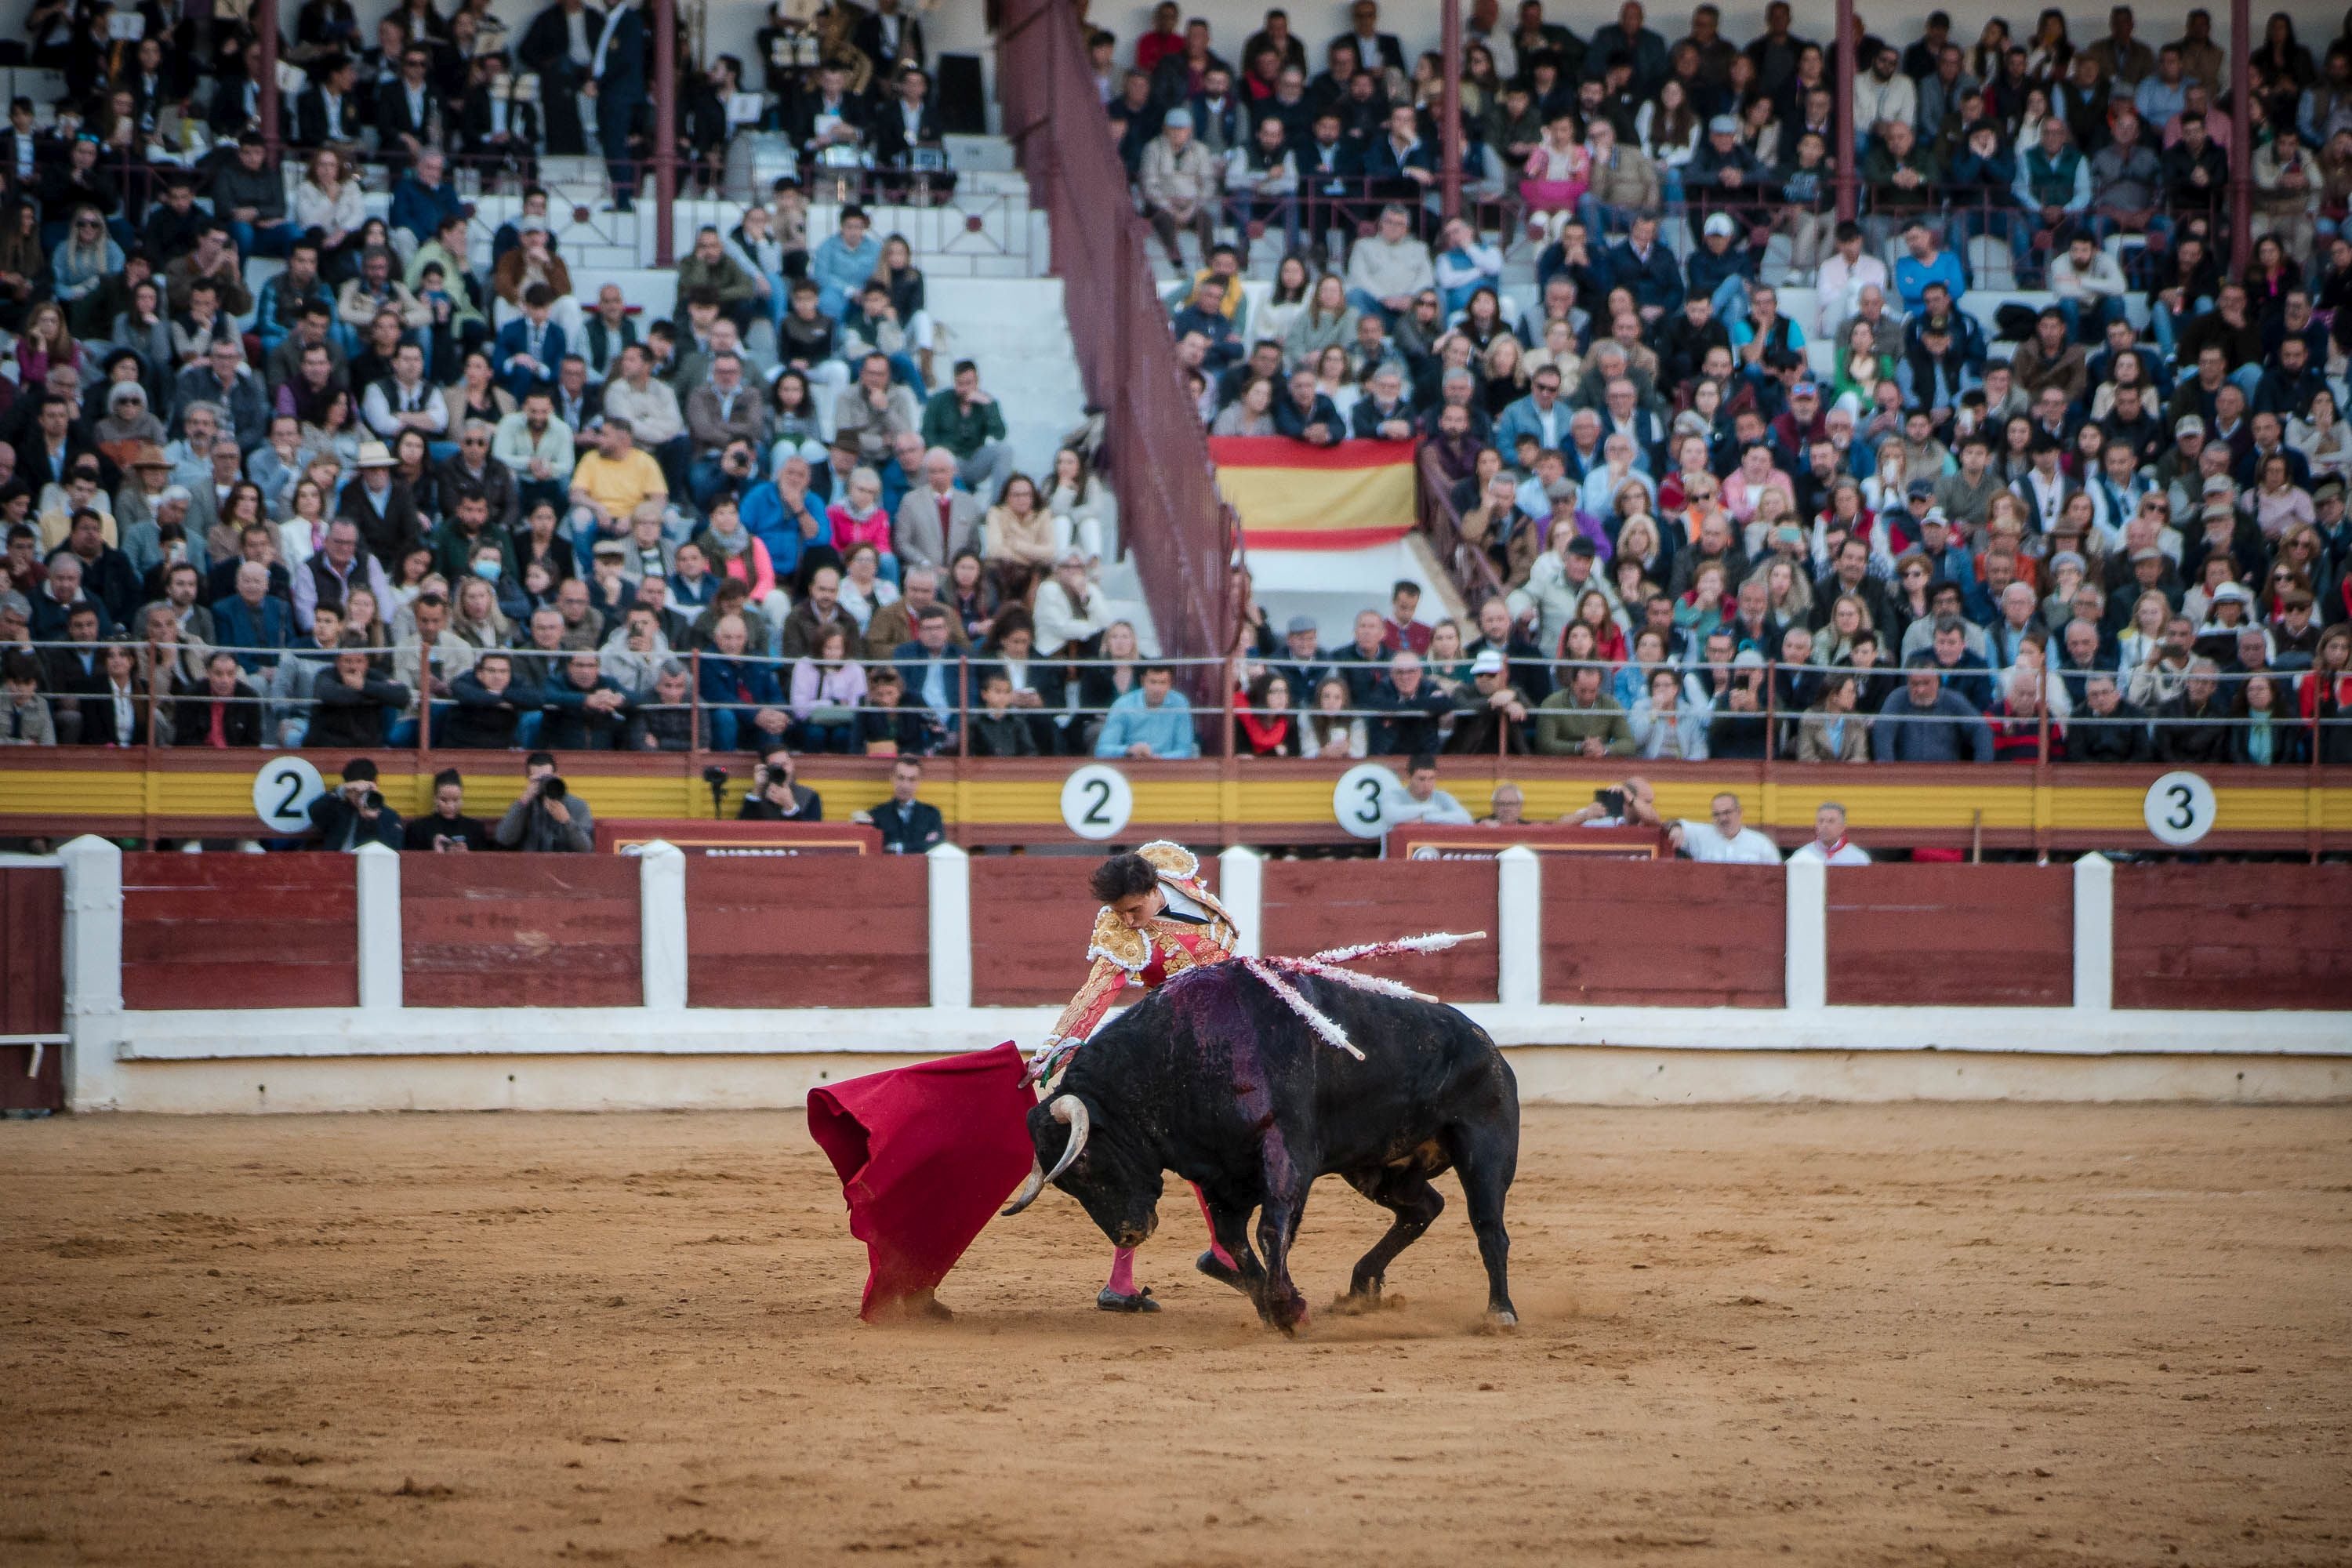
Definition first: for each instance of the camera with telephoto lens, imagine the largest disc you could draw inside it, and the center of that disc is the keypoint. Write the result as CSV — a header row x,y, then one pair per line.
x,y
1612,801
553,789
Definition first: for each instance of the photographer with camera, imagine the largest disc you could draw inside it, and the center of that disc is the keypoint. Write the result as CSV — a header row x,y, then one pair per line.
x,y
355,813
774,798
547,816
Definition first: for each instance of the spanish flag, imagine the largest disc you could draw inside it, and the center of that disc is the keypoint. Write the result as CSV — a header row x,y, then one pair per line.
x,y
1292,496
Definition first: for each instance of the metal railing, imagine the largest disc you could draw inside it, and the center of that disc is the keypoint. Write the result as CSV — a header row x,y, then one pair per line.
x,y
1473,572
1051,692
1156,454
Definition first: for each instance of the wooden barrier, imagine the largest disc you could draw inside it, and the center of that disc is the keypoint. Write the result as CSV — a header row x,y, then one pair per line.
x,y
2239,937
790,932
32,986
32,947
239,931
1031,917
1951,936
1668,933
519,930
1314,904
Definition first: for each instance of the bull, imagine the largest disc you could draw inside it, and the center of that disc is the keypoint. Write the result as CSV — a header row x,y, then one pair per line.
x,y
1218,1078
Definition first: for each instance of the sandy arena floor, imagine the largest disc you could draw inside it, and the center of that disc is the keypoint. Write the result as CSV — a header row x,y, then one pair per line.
x,y
1983,1335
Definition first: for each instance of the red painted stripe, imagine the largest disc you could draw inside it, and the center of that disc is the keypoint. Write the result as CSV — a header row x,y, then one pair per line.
x,y
1282,452
1321,539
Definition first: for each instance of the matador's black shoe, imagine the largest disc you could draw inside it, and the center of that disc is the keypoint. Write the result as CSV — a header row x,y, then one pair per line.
x,y
1223,1273
1112,1301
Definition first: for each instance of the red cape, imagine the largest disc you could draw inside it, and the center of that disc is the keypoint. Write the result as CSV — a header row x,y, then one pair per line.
x,y
926,1154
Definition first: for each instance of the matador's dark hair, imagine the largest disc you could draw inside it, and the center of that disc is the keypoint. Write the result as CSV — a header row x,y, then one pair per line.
x,y
1123,877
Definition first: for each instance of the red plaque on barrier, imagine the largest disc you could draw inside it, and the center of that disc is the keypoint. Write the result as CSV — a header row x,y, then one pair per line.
x,y
1423,841
743,839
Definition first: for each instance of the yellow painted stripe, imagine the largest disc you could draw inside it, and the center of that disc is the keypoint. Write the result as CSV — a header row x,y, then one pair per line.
x,y
1321,500
2007,804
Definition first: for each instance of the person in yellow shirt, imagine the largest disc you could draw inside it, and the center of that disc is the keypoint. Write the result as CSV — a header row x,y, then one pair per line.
x,y
608,485
80,492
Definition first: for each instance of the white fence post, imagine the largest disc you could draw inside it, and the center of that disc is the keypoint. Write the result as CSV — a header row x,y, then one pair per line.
x,y
2094,933
93,945
378,885
1240,887
661,926
1518,926
950,889
1807,983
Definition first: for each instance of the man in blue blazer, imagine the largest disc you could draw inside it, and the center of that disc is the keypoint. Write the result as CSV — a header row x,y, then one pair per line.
x,y
530,347
253,621
1642,263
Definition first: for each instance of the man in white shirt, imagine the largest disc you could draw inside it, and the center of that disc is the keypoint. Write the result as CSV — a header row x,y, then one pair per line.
x,y
1837,288
1828,843
406,401
1725,839
1426,802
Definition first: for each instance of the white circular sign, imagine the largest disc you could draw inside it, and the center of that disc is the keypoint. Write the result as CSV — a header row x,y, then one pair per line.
x,y
1366,800
1097,802
2179,808
283,791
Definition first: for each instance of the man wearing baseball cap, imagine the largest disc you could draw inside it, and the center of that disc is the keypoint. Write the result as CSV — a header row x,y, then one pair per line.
x,y
1725,173
1490,715
1178,177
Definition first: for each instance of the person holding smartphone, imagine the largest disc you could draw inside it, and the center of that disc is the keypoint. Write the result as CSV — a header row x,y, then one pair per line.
x,y
1631,803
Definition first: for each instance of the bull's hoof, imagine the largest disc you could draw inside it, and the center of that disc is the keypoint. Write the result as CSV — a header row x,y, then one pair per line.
x,y
1223,1273
1110,1300
1502,1321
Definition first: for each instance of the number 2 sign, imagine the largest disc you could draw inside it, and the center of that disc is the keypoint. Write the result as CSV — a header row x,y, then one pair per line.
x,y
283,791
1097,802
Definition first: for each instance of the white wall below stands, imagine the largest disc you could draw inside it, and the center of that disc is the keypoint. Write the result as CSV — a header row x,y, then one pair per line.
x,y
1565,1075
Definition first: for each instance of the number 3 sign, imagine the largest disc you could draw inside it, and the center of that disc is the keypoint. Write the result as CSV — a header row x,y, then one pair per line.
x,y
2179,809
1097,802
1368,800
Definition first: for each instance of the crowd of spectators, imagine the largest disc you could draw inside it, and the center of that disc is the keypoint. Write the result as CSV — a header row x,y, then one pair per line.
x,y
2000,527
419,486
158,95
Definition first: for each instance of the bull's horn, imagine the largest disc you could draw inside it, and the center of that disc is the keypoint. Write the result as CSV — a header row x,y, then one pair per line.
x,y
1069,1108
1029,1190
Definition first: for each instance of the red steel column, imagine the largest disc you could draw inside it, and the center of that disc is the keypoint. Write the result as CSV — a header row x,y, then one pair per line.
x,y
1449,109
665,20
1841,110
2241,132
264,26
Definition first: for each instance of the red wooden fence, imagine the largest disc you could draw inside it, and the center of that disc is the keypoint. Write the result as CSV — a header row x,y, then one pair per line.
x,y
32,950
2234,937
239,931
519,930
1951,936
32,985
1315,904
1663,933
1031,918
280,930
800,933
